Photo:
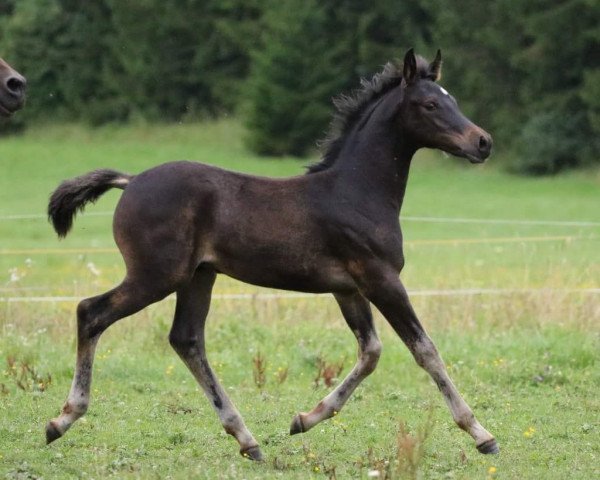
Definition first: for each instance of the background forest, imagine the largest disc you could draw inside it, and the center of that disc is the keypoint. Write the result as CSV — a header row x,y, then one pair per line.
x,y
526,70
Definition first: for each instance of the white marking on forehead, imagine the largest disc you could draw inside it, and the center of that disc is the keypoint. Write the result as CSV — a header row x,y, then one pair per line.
x,y
444,91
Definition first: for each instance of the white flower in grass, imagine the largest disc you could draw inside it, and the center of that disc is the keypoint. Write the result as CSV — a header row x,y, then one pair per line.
x,y
15,275
93,269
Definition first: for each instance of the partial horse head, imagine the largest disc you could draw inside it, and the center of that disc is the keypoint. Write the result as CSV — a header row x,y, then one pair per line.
x,y
431,117
12,89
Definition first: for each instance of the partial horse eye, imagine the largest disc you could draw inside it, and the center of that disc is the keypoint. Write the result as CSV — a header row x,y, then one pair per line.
x,y
431,106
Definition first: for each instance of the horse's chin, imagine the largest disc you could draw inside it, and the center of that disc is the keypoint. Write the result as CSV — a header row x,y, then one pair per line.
x,y
473,158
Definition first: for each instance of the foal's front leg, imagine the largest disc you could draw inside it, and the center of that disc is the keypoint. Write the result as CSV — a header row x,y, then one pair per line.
x,y
390,297
357,312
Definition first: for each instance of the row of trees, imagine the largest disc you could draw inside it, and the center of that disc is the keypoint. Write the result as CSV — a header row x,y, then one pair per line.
x,y
527,70
109,60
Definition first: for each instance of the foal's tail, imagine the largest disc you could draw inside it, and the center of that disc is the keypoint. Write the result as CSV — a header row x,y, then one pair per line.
x,y
73,195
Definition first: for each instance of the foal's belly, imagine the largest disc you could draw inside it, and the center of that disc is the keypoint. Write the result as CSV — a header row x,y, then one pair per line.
x,y
324,276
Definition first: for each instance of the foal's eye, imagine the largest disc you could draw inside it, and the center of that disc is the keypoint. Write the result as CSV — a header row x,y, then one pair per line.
x,y
430,106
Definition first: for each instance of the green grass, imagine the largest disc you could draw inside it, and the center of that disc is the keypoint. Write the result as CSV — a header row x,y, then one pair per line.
x,y
527,362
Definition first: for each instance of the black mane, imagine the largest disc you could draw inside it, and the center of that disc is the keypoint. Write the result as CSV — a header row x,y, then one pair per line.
x,y
349,109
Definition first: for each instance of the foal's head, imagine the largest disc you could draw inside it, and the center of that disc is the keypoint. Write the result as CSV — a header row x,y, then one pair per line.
x,y
430,115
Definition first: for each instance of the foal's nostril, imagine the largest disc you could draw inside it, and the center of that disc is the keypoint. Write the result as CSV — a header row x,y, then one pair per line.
x,y
16,85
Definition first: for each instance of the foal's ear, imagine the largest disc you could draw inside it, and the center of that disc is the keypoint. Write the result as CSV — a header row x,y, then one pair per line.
x,y
435,67
409,72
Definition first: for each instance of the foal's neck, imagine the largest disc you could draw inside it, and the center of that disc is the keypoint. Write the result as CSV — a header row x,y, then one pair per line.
x,y
376,162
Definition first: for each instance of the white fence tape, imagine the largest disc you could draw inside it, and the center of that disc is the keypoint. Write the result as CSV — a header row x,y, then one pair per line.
x,y
500,221
465,292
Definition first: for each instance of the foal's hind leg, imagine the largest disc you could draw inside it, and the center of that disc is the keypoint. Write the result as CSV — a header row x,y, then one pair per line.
x,y
187,338
357,312
390,297
94,315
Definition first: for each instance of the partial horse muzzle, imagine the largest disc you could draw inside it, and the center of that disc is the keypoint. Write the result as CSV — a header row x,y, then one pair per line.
x,y
15,86
12,90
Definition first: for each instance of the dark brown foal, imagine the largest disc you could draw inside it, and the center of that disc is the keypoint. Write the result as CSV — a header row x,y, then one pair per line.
x,y
334,230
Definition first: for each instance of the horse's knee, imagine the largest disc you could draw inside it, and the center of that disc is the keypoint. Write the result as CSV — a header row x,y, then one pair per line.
x,y
183,344
177,341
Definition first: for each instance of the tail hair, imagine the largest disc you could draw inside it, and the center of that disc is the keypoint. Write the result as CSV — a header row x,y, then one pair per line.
x,y
73,195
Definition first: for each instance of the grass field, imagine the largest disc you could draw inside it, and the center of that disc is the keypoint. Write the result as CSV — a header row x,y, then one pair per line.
x,y
523,351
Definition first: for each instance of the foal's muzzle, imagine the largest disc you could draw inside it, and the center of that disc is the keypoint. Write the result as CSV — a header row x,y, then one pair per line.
x,y
485,145
474,144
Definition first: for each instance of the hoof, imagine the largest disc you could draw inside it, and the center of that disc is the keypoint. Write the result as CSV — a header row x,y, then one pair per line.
x,y
297,425
488,447
253,453
52,433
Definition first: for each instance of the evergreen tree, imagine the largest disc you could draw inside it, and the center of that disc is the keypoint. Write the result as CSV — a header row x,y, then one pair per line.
x,y
110,60
153,50
225,56
312,51
60,48
293,78
27,35
178,60
527,70
559,66
373,33
479,41
524,70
